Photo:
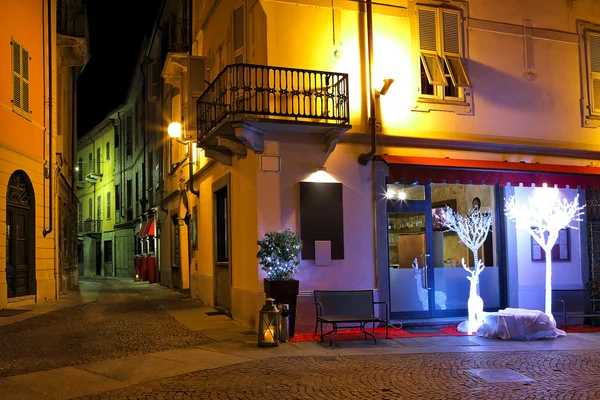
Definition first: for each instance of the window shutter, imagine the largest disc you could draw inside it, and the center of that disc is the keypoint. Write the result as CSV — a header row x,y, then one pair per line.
x,y
594,62
16,62
451,53
451,33
238,29
154,78
25,79
427,30
428,46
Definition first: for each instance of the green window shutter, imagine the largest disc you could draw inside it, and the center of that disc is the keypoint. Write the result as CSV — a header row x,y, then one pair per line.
x,y
451,53
25,80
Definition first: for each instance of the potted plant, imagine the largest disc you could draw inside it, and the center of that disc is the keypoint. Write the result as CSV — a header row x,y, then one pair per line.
x,y
279,255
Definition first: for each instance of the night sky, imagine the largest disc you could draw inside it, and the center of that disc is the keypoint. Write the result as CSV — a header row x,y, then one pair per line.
x,y
116,32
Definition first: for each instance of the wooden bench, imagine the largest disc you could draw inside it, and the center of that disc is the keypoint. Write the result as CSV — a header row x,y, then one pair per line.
x,y
347,307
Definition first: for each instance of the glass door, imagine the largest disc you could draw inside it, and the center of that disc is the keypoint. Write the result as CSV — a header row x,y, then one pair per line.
x,y
409,251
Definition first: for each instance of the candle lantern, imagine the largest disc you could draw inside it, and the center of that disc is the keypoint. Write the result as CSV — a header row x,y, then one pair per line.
x,y
268,325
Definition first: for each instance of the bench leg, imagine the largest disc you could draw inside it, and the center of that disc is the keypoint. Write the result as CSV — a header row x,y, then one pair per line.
x,y
334,331
362,328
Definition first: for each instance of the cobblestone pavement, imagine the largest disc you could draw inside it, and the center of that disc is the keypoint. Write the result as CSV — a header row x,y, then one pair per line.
x,y
554,375
121,323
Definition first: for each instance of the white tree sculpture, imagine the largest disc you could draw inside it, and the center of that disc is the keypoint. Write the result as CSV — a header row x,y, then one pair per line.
x,y
543,216
471,230
475,303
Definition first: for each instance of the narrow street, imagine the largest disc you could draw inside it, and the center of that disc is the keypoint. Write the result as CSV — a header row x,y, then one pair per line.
x,y
122,322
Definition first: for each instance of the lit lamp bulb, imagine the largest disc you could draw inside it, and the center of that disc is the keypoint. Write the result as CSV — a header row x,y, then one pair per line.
x,y
174,130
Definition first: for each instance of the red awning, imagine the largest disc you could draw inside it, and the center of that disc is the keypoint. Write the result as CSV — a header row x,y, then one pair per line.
x,y
147,229
151,229
445,170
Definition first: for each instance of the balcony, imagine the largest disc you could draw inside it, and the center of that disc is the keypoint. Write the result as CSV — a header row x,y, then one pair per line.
x,y
89,172
71,29
89,226
245,101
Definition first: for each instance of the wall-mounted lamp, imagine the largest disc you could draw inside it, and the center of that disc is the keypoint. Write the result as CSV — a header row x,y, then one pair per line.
x,y
386,86
174,130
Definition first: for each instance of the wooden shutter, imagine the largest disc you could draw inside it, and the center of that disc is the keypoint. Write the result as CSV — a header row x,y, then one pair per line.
x,y
238,30
451,54
428,45
16,67
25,80
20,70
154,79
594,65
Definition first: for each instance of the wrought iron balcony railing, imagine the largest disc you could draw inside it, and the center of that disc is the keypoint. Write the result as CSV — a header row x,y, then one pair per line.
x,y
70,18
90,226
244,91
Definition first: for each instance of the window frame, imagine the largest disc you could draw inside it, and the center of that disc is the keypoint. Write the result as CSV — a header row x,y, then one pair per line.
x,y
440,100
589,115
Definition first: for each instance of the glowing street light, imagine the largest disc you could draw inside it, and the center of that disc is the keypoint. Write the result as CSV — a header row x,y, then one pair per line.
x,y
174,130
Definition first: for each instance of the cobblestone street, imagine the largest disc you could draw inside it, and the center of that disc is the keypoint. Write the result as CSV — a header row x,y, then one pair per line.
x,y
122,322
554,375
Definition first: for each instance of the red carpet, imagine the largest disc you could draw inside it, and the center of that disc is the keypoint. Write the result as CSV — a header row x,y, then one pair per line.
x,y
396,333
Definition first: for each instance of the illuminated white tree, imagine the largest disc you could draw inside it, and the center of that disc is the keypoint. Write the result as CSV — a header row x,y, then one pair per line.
x,y
543,216
472,230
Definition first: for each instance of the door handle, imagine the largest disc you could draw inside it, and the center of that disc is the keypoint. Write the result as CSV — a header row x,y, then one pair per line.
x,y
425,269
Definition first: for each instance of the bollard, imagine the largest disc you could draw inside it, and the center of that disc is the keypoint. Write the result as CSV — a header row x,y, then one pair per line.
x,y
285,322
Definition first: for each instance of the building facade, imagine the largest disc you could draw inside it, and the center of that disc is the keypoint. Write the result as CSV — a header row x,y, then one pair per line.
x,y
354,133
48,49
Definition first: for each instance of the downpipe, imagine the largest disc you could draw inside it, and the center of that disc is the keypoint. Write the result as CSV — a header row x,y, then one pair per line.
x,y
46,232
364,158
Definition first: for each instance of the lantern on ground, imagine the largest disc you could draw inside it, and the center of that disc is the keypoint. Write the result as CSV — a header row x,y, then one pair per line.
x,y
268,325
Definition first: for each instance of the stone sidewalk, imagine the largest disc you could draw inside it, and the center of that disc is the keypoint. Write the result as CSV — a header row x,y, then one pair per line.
x,y
194,371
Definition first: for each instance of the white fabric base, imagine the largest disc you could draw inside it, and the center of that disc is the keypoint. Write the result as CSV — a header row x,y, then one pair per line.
x,y
516,324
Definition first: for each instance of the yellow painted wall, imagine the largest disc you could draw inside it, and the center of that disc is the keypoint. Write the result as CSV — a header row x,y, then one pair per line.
x,y
24,140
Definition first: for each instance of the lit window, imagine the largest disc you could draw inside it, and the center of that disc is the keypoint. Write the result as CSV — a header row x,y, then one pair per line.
x,y
443,75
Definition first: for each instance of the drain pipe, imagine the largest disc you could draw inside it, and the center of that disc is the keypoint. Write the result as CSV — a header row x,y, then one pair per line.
x,y
51,192
364,158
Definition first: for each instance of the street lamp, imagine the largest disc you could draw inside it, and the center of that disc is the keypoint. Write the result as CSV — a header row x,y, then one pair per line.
x,y
175,132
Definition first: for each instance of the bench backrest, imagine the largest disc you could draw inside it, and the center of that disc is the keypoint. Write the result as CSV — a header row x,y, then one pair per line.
x,y
345,302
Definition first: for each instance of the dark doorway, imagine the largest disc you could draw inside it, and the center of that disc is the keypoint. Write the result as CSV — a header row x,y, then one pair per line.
x,y
222,244
20,236
98,258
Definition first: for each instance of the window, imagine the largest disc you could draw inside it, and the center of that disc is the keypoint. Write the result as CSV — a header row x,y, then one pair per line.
x,y
154,77
90,208
118,197
108,150
108,205
80,171
129,129
560,251
591,72
117,136
150,176
108,251
137,194
98,157
90,163
20,72
440,42
99,208
129,190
